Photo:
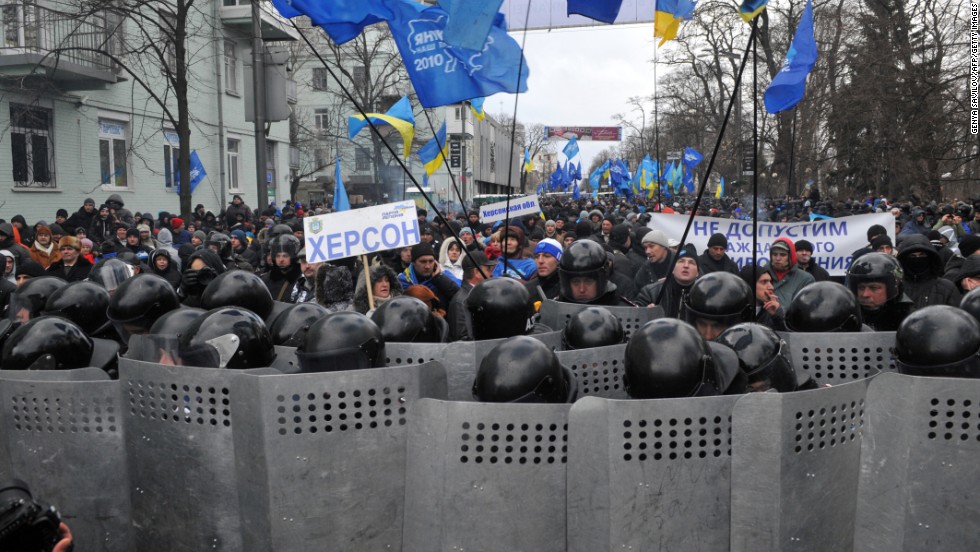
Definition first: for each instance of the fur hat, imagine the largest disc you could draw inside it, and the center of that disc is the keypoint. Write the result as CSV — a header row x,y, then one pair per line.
x,y
70,241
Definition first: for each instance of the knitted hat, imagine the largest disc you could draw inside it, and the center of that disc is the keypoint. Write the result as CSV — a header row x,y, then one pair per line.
x,y
87,243
176,222
61,213
718,240
619,234
201,235
142,228
969,245
465,230
70,241
422,249
240,234
880,241
29,268
805,245
549,246
133,232
876,230
657,237
56,229
88,201
688,251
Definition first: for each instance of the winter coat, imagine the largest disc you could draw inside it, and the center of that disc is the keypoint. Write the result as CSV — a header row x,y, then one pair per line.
x,y
926,286
165,239
45,258
123,215
671,301
550,286
361,304
791,281
707,265
334,287
172,274
652,272
442,285
79,219
78,272
281,283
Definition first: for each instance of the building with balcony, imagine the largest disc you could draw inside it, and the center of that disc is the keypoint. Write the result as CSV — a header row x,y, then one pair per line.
x,y
86,109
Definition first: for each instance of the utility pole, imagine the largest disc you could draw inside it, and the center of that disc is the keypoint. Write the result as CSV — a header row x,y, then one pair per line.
x,y
258,98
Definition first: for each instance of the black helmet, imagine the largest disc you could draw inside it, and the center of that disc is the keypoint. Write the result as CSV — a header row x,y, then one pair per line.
x,y
971,303
341,341
55,343
719,297
668,358
592,327
406,319
28,300
138,302
286,243
524,370
582,259
229,337
500,307
238,288
291,326
84,303
176,321
110,273
824,307
876,267
219,243
938,341
278,230
762,356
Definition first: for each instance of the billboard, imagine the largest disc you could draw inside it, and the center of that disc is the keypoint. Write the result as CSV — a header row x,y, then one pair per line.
x,y
604,134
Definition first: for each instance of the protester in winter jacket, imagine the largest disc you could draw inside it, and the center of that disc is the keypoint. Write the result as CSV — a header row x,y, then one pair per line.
x,y
787,277
715,258
44,251
923,268
166,266
384,286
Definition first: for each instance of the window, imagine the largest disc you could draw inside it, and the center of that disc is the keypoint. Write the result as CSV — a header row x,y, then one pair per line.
x,y
171,151
114,153
233,150
168,44
359,77
30,147
493,157
319,78
231,67
321,158
457,110
362,161
320,121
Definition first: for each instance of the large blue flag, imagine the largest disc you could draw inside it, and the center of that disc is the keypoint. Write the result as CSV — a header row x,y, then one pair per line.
x,y
668,16
197,172
789,85
578,171
691,157
571,148
341,19
566,177
443,74
600,10
340,200
576,193
596,175
469,21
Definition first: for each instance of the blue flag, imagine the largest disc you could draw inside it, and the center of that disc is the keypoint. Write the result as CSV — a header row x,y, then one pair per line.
x,y
341,19
596,175
571,148
691,157
578,171
197,172
566,178
600,10
469,21
443,74
789,85
340,200
576,193
434,151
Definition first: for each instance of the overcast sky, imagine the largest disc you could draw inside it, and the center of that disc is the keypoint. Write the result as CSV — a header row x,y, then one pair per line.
x,y
582,77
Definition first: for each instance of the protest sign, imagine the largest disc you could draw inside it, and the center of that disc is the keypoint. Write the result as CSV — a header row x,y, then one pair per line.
x,y
519,206
360,231
833,239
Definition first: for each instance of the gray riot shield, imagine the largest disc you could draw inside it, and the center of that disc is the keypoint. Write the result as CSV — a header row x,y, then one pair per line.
x,y
919,477
285,360
555,315
837,358
599,370
63,432
649,474
795,464
181,453
321,457
486,476
461,358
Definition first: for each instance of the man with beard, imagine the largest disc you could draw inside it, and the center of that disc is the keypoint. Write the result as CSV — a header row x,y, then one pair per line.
x,y
82,218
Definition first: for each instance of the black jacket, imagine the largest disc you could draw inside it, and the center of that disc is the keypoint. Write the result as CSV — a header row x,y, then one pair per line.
x,y
671,301
924,283
652,272
818,272
280,283
707,265
550,285
78,272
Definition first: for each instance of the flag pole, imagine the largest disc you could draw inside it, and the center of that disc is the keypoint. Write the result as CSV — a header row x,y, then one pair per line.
x,y
711,163
792,153
656,129
755,155
445,161
367,281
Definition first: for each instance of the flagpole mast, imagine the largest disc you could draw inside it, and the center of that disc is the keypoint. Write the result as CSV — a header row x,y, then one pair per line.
x,y
755,151
792,153
656,129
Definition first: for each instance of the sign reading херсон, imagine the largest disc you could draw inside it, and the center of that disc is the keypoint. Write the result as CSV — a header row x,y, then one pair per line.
x,y
519,206
359,231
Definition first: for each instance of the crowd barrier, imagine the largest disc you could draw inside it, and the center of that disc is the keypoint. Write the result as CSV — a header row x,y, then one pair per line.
x,y
555,315
835,358
179,458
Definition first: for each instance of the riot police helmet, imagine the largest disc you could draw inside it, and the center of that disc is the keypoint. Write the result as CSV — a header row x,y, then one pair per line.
x,y
523,370
84,303
592,327
227,337
290,327
876,267
668,358
55,343
239,288
500,307
339,341
28,300
971,303
139,302
762,356
111,273
406,319
824,307
177,321
582,259
716,302
220,244
938,340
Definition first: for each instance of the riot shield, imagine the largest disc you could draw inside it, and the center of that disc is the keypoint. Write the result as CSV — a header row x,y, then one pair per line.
x,y
837,358
795,464
919,478
486,476
178,423
649,474
555,314
321,457
63,435
599,370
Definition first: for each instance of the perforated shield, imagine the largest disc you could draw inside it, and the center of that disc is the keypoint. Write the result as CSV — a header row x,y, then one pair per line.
x,y
461,358
795,464
285,360
64,435
486,477
178,422
919,477
321,457
649,474
555,315
599,370
837,358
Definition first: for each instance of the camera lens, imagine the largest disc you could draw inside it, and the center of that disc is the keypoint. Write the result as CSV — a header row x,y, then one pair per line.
x,y
14,490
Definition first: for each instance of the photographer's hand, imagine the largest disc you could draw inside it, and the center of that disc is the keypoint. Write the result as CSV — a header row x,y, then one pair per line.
x,y
65,544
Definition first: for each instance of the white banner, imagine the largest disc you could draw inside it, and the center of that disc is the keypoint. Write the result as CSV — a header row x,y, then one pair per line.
x,y
519,206
833,239
359,231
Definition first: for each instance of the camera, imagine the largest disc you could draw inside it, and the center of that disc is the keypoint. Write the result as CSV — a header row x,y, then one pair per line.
x,y
26,525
